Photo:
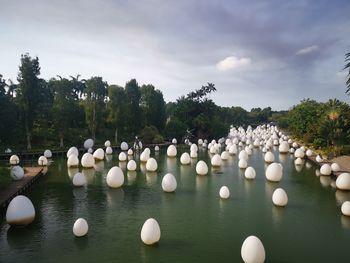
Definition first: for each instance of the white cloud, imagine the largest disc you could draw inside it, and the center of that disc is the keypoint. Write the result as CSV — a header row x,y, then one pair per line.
x,y
307,50
232,62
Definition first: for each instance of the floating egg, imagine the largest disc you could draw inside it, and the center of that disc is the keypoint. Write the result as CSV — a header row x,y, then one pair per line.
x,y
130,152
280,197
99,154
14,160
283,147
131,165
335,167
309,153
171,151
224,155
107,143
122,157
242,163
80,227
48,154
233,149
115,177
250,173
73,161
87,161
319,159
326,169
156,148
343,181
20,211
224,192
124,146
174,141
269,157
169,183
151,165
243,155
17,172
42,161
72,150
109,150
299,153
150,232
216,160
89,143
345,208
185,158
194,148
274,172
201,168
79,180
144,156
292,150
200,141
253,250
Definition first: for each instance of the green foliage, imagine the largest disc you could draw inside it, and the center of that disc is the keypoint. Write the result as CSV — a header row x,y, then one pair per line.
x,y
158,139
133,96
149,134
96,91
175,129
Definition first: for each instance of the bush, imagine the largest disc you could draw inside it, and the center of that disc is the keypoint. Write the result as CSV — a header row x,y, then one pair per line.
x,y
148,134
158,139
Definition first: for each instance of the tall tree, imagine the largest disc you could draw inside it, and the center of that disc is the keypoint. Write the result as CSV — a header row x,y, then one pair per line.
x,y
28,92
117,106
63,107
133,96
94,104
153,107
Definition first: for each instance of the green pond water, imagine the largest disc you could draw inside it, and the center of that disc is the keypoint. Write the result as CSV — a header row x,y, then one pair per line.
x,y
196,225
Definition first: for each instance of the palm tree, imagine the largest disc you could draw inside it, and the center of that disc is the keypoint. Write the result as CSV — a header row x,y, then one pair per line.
x,y
347,67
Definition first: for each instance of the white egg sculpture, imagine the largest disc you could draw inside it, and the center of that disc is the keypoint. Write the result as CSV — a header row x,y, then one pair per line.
x,y
115,177
151,165
88,144
80,227
193,155
20,211
174,141
107,143
72,150
201,168
216,160
283,147
269,157
326,169
14,160
122,157
17,173
99,154
150,232
48,154
200,141
243,155
298,161
292,150
299,153
309,153
73,161
109,150
242,163
253,250
194,148
343,181
169,183
274,172
171,151
224,192
130,152
87,161
224,155
124,146
233,149
144,156
335,167
185,158
345,208
280,197
42,161
156,148
250,173
131,166
79,180
319,159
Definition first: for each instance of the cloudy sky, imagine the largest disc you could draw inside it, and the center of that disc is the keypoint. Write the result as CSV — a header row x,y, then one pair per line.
x,y
257,53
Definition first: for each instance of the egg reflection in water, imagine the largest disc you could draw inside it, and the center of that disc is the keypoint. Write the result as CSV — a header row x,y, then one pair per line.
x,y
151,178
131,177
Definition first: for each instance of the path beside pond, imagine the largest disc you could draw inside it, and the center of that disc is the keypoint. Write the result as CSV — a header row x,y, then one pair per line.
x,y
344,163
17,187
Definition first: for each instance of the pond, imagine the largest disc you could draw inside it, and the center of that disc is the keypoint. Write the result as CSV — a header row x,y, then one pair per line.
x,y
196,225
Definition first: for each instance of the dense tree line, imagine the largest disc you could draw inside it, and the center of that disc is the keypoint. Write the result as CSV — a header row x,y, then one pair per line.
x,y
324,125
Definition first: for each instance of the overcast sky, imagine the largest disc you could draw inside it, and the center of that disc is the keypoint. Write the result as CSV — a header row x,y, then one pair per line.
x,y
257,53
